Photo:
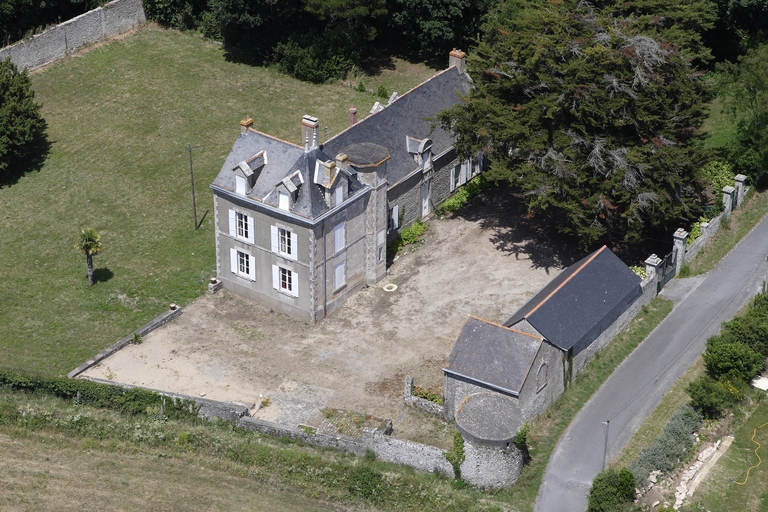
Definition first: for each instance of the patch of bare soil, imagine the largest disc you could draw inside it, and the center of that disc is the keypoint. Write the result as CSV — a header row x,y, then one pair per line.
x,y
232,349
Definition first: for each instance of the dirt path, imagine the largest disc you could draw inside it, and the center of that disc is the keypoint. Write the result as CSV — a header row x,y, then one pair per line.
x,y
232,349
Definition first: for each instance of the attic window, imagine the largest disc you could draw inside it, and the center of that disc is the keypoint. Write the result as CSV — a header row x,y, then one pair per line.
x,y
284,202
541,377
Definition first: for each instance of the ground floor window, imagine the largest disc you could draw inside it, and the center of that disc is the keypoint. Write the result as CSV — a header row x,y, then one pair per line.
x,y
339,275
285,280
243,264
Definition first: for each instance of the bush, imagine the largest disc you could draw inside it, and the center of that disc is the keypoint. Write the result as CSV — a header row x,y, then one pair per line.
x,y
610,489
428,394
456,454
732,360
381,92
318,58
409,235
21,124
666,450
463,195
711,397
719,175
521,440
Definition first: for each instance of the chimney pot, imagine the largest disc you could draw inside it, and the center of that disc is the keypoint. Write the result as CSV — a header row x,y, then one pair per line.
x,y
352,116
309,126
246,123
459,59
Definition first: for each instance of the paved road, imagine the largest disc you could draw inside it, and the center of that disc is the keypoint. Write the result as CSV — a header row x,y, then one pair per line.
x,y
636,387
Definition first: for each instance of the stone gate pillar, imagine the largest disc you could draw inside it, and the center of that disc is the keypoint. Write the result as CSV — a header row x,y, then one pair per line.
x,y
740,188
652,265
680,238
728,193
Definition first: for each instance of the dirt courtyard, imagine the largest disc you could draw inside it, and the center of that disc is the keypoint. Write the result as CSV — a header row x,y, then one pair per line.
x,y
227,348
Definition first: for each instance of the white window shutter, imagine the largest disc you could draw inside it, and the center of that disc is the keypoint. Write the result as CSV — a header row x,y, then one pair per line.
x,y
275,241
251,267
294,247
275,277
250,229
232,224
396,216
233,260
295,284
453,179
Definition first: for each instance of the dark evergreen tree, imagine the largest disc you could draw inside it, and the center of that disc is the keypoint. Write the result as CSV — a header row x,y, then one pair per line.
x,y
21,124
591,121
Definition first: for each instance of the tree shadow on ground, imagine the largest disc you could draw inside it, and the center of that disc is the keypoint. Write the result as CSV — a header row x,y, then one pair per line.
x,y
102,275
515,233
37,152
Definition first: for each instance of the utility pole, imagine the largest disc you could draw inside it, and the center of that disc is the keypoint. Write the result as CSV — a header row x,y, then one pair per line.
x,y
606,424
192,182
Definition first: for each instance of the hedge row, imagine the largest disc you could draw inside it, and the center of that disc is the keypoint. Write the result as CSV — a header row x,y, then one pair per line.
x,y
129,401
732,359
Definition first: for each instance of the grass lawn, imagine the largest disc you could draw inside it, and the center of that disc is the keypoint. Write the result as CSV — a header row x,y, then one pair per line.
x,y
119,118
719,491
720,125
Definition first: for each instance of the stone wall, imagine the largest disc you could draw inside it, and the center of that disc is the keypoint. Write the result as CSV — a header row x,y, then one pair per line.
x,y
67,38
420,457
418,402
141,331
491,467
708,230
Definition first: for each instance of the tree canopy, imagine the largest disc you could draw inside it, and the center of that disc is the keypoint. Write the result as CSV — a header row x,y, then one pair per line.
x,y
21,124
591,121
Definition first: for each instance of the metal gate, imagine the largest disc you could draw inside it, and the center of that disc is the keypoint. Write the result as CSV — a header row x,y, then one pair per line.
x,y
666,270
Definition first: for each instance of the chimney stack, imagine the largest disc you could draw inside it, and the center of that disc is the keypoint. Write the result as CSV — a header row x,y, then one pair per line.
x,y
352,116
246,123
341,160
309,127
459,59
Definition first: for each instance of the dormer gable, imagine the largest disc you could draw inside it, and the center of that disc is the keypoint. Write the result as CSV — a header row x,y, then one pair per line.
x,y
288,190
420,150
247,172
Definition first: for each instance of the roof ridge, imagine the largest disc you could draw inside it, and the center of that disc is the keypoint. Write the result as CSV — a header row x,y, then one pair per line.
x,y
274,138
505,327
589,260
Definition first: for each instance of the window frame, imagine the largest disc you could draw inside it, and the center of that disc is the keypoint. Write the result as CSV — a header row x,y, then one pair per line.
x,y
240,259
339,242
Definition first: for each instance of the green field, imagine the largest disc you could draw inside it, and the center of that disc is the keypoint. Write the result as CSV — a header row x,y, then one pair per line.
x,y
119,118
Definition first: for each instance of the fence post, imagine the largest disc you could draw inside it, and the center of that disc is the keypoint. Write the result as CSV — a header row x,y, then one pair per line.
x,y
680,238
728,192
739,179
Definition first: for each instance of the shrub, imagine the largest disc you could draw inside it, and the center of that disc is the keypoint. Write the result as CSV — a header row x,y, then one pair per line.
x,y
639,271
719,175
463,195
610,489
456,454
711,397
381,92
409,235
318,58
428,394
665,451
521,440
734,361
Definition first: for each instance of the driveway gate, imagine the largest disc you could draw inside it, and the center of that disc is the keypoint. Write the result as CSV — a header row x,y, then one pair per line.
x,y
666,270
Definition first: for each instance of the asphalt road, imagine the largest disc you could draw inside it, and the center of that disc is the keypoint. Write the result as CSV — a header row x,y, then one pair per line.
x,y
637,385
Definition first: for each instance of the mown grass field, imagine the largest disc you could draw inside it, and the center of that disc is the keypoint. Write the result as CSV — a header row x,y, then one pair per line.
x,y
119,118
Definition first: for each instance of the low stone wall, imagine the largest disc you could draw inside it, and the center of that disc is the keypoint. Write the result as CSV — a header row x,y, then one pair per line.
x,y
141,331
67,38
420,457
210,409
418,402
708,230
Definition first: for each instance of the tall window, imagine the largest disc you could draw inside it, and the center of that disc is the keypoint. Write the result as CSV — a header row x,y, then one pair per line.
x,y
339,241
339,275
286,280
242,225
284,242
243,263
541,377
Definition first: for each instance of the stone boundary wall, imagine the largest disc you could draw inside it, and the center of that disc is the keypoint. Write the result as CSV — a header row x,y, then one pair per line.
x,y
141,331
585,356
418,402
209,409
420,457
71,36
708,230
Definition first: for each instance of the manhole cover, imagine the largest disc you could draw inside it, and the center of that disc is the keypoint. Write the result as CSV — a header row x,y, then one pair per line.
x,y
390,287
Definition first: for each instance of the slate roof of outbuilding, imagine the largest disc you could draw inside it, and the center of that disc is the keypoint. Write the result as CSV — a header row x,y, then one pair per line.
x,y
578,298
493,355
412,114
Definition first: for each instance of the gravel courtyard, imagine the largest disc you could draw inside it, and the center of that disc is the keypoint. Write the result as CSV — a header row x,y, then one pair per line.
x,y
350,365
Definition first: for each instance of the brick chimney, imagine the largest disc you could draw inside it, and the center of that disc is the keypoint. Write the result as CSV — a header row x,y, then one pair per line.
x,y
352,116
459,59
246,123
309,127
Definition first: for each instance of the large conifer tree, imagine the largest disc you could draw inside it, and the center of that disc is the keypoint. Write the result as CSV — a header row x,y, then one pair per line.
x,y
591,121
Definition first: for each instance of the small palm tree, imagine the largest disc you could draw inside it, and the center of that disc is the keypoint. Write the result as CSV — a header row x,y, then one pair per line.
x,y
90,244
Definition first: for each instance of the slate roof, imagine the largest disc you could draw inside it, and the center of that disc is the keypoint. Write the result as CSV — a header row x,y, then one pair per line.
x,y
493,355
407,116
579,298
